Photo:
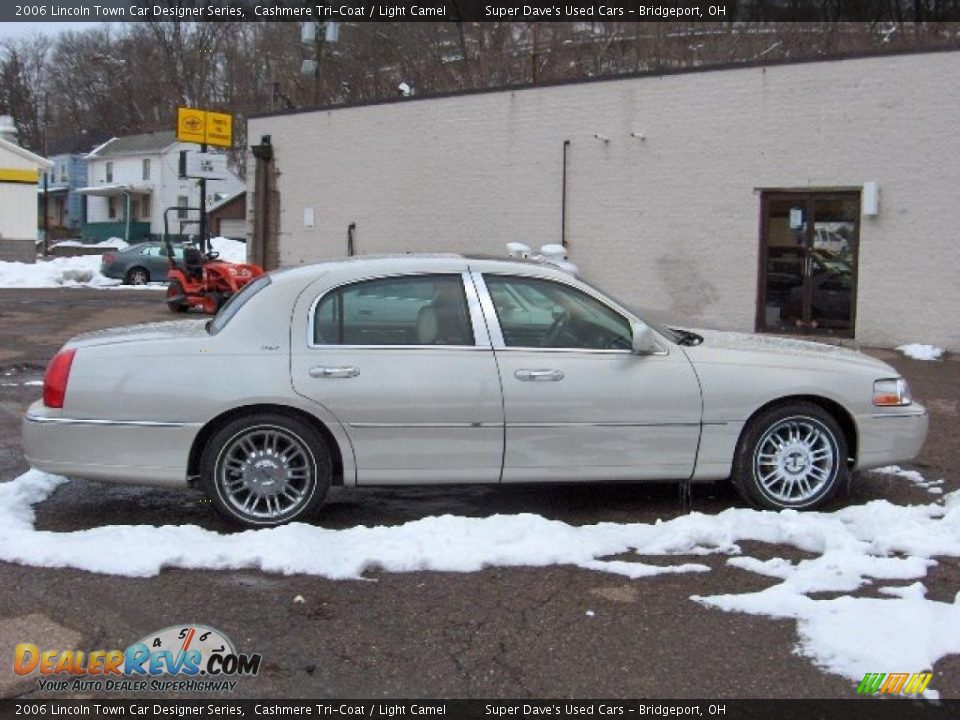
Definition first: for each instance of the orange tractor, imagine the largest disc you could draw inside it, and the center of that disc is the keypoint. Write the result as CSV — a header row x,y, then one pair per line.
x,y
198,279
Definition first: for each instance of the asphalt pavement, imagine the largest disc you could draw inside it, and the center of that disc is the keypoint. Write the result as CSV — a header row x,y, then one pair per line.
x,y
497,633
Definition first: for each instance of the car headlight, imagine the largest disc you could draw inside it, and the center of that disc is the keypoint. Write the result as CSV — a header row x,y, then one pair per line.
x,y
891,392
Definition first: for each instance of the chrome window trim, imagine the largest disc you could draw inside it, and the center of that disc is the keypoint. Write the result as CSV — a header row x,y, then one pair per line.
x,y
481,339
496,332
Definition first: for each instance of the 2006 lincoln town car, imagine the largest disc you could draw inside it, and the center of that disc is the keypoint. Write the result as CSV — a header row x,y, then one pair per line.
x,y
453,369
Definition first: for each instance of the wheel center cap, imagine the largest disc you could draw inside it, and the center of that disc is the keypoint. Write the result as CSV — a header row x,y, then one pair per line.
x,y
795,462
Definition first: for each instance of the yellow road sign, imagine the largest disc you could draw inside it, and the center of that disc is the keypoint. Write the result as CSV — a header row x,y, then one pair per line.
x,y
204,126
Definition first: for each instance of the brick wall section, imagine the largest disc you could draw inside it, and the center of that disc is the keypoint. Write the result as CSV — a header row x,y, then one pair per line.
x,y
670,221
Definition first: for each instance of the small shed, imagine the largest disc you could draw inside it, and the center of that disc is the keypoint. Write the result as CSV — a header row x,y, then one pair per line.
x,y
228,218
19,176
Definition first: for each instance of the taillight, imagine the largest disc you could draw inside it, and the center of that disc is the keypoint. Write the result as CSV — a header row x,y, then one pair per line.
x,y
55,378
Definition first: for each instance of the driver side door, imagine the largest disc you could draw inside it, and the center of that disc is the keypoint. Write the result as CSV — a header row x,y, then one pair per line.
x,y
578,404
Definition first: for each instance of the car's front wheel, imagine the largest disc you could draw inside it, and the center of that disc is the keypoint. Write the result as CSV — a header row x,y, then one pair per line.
x,y
791,456
265,470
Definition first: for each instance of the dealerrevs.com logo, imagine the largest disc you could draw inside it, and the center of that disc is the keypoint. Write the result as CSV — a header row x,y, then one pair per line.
x,y
181,658
894,683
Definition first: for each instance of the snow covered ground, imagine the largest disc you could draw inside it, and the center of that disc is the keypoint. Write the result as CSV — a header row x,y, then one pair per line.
x,y
918,351
879,545
84,271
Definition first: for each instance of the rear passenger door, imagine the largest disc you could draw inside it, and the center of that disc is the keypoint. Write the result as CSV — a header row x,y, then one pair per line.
x,y
405,363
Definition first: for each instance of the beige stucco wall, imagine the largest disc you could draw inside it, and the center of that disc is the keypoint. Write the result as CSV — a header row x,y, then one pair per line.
x,y
670,221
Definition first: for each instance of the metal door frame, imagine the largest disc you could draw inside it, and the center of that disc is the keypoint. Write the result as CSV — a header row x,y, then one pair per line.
x,y
806,198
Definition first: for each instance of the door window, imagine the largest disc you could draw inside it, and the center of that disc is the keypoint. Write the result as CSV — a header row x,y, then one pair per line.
x,y
416,310
545,314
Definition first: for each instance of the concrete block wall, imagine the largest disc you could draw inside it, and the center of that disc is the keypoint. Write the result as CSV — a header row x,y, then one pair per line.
x,y
664,181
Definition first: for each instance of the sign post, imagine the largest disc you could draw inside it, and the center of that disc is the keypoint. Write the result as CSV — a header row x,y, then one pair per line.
x,y
204,127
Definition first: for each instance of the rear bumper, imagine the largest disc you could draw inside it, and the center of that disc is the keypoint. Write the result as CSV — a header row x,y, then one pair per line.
x,y
124,451
891,437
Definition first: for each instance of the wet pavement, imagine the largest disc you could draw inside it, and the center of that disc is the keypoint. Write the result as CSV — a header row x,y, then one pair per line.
x,y
501,632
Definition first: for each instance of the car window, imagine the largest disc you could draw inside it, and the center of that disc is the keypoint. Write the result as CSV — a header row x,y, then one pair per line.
x,y
547,314
236,301
415,310
153,250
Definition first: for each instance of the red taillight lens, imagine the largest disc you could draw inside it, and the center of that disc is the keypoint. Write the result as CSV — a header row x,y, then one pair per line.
x,y
55,378
108,258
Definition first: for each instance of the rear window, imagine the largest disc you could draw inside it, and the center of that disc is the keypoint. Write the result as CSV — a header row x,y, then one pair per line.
x,y
235,302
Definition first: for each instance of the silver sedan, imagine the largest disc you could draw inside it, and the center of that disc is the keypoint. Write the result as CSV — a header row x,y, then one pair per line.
x,y
452,369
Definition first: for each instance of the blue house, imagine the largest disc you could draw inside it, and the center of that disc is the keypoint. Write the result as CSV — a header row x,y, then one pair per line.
x,y
66,209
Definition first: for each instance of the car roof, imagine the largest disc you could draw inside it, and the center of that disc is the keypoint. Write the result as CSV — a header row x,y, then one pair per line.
x,y
387,264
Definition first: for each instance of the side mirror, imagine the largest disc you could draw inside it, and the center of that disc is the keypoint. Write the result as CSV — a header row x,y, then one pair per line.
x,y
643,342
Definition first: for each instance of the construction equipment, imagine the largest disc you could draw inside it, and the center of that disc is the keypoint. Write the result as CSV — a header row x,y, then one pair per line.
x,y
198,279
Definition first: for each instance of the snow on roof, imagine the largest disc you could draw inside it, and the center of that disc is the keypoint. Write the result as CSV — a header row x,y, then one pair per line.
x,y
40,162
226,201
135,144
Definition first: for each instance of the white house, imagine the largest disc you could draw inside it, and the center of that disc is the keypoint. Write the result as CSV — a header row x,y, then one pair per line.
x,y
134,179
19,171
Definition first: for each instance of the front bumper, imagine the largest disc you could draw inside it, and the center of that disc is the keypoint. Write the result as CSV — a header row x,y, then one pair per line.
x,y
122,451
890,437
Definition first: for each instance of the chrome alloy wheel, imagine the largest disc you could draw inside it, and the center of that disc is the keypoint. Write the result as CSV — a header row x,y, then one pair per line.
x,y
795,460
266,472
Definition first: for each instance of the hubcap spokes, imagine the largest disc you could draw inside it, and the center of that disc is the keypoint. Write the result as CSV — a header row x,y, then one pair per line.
x,y
265,473
795,459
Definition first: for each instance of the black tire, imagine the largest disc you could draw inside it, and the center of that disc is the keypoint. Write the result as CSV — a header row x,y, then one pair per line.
x,y
175,289
137,276
238,469
804,471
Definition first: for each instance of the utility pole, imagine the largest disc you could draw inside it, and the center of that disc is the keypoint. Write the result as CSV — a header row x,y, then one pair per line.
x,y
204,245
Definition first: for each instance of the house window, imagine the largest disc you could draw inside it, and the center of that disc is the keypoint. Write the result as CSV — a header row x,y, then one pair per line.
x,y
182,202
145,207
146,169
63,173
109,171
112,207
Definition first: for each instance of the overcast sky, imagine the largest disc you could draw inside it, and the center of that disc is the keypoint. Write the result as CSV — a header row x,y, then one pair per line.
x,y
10,30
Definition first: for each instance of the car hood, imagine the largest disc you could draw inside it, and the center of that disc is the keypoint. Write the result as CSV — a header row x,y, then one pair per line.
x,y
747,349
175,329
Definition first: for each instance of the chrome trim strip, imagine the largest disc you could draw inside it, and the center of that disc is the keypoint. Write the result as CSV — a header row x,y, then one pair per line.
x,y
467,425
479,328
596,424
112,423
489,312
915,414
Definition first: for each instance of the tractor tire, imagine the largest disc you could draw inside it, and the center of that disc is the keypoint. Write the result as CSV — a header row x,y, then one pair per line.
x,y
176,299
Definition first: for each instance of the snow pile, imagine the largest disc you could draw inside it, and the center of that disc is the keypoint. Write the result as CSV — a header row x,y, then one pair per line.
x,y
114,243
230,250
921,352
874,544
912,476
82,271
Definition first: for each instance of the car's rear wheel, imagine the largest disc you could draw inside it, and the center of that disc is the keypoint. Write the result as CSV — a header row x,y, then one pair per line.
x,y
791,456
137,276
266,470
176,298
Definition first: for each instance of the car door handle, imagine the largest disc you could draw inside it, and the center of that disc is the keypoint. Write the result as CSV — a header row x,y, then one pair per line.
x,y
333,372
538,375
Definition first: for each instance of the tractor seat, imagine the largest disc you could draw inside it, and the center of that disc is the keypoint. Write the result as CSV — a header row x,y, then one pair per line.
x,y
193,262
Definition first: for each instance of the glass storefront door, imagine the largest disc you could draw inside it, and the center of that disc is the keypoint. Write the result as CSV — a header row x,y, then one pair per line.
x,y
808,263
